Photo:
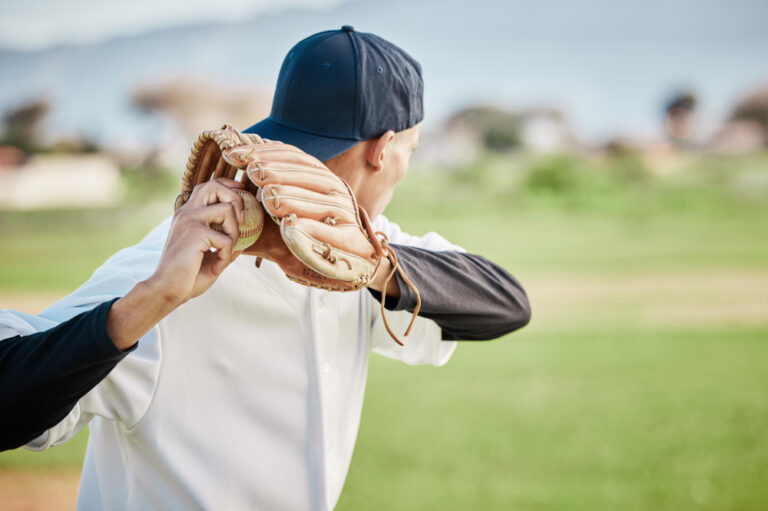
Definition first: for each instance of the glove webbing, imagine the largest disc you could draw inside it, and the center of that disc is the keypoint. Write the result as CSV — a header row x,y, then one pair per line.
x,y
206,162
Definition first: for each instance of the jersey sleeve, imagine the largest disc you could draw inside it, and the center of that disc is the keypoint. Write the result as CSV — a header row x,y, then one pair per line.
x,y
125,394
43,375
424,345
468,296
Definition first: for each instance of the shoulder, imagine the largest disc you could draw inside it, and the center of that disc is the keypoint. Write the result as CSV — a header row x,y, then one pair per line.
x,y
428,241
115,277
136,259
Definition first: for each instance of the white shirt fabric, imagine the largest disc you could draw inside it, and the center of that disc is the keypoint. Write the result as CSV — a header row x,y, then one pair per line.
x,y
247,397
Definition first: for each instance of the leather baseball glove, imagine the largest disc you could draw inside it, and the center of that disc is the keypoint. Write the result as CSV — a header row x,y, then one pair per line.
x,y
330,241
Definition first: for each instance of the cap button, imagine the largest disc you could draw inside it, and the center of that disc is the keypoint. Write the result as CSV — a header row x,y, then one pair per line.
x,y
348,28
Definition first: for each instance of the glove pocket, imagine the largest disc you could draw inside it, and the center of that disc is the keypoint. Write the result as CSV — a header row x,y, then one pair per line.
x,y
334,261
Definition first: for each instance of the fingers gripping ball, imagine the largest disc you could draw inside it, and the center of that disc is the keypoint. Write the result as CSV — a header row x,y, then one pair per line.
x,y
207,162
253,224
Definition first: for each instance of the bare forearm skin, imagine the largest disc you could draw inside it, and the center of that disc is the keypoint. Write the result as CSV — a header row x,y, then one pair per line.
x,y
137,312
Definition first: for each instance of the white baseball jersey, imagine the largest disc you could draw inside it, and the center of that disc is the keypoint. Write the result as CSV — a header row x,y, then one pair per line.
x,y
247,397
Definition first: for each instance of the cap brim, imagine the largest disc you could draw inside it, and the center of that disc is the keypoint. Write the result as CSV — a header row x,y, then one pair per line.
x,y
322,148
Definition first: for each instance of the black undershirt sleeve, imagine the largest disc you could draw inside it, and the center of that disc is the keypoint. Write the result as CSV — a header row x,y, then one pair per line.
x,y
469,297
43,375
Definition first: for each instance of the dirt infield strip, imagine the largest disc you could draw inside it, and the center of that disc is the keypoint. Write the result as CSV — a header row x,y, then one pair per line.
x,y
33,490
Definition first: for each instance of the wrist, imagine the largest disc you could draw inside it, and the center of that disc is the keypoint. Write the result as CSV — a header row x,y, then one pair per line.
x,y
117,325
383,271
156,292
270,244
133,315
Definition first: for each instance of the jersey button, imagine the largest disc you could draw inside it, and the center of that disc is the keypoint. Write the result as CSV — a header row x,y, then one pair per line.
x,y
326,368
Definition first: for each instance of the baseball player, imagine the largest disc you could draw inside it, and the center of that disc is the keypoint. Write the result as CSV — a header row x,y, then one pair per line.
x,y
249,396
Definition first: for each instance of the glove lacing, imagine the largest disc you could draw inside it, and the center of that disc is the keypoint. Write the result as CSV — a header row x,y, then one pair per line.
x,y
390,254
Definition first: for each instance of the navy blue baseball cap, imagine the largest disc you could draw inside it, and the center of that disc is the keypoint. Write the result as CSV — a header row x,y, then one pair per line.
x,y
339,87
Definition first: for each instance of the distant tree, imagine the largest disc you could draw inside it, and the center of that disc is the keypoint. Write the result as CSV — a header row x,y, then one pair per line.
x,y
686,100
22,126
753,108
75,145
499,130
195,105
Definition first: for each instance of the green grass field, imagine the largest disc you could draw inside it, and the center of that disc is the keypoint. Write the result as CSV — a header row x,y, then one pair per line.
x,y
639,384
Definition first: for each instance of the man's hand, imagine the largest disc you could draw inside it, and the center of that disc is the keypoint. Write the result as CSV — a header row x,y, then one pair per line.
x,y
188,265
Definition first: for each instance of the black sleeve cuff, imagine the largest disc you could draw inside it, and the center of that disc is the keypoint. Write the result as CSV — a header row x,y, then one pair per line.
x,y
407,299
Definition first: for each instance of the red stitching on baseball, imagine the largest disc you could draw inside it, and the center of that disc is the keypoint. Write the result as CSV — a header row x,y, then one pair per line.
x,y
249,232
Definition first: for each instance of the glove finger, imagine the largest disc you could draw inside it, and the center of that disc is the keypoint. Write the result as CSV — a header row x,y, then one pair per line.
x,y
241,156
320,180
283,200
284,152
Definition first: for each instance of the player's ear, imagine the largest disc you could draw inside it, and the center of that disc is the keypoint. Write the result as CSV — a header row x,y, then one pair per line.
x,y
378,148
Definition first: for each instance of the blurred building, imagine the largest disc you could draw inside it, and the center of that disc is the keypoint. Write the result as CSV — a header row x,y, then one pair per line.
x,y
448,147
545,131
468,132
51,181
11,157
740,137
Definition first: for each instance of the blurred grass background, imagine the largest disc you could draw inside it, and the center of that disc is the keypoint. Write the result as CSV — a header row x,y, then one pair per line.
x,y
639,384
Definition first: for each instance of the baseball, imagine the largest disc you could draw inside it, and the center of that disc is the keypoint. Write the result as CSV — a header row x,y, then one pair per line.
x,y
251,228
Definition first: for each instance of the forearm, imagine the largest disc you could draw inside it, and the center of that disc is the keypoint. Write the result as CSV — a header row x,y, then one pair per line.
x,y
43,375
469,297
138,311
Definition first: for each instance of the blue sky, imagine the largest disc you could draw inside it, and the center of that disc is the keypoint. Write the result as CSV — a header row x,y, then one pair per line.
x,y
33,24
